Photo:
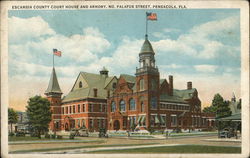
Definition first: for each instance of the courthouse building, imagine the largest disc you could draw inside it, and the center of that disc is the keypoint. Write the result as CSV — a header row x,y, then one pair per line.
x,y
144,101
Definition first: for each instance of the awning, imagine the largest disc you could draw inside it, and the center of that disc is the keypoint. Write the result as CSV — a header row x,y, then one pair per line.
x,y
156,119
163,121
142,119
235,117
138,120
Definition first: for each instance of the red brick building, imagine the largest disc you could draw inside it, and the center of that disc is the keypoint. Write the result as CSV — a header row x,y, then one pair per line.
x,y
144,101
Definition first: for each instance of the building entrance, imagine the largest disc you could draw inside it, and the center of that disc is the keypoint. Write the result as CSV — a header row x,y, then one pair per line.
x,y
116,125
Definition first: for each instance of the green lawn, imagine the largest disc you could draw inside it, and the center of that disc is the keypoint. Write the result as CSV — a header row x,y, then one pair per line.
x,y
27,138
176,149
76,147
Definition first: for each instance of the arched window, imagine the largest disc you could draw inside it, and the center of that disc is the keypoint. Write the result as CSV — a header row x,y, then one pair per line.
x,y
80,84
142,84
153,103
122,105
113,107
142,104
132,105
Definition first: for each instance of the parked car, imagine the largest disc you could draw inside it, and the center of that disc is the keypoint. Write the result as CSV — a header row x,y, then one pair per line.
x,y
227,133
74,132
83,132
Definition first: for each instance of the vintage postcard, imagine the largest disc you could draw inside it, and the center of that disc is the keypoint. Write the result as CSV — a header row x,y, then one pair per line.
x,y
125,79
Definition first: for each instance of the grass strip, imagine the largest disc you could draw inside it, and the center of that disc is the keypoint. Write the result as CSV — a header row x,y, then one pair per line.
x,y
175,149
76,147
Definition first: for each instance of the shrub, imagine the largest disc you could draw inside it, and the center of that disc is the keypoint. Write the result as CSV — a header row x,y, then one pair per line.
x,y
11,134
71,136
47,135
59,137
20,134
53,136
34,134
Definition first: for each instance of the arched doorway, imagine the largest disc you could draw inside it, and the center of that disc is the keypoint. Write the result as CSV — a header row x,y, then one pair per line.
x,y
66,127
116,125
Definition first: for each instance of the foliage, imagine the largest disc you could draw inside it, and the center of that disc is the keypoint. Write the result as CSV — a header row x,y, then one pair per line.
x,y
71,136
20,134
39,115
47,136
12,117
11,134
210,109
53,136
59,137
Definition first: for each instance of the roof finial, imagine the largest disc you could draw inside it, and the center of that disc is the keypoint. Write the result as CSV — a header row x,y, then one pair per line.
x,y
146,37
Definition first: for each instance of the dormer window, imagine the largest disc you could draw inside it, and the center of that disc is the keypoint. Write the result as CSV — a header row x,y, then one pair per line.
x,y
80,84
114,85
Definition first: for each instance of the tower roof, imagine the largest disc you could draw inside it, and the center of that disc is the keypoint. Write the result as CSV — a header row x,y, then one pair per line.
x,y
53,84
147,47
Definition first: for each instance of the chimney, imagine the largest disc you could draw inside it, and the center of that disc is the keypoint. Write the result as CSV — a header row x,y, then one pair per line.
x,y
189,85
95,92
171,85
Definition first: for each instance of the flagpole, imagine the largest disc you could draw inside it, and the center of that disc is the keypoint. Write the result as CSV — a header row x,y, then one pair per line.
x,y
53,59
146,25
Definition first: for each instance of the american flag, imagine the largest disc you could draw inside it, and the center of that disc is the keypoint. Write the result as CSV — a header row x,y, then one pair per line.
x,y
57,53
151,16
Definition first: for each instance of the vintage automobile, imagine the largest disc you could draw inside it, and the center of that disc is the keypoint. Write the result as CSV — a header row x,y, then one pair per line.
x,y
226,133
83,132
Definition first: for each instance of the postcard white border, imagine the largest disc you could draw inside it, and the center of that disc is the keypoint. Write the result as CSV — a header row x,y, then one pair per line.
x,y
243,5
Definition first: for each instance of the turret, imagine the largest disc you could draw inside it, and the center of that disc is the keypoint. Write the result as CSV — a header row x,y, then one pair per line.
x,y
54,94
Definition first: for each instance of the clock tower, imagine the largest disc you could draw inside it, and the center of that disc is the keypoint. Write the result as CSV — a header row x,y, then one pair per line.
x,y
147,80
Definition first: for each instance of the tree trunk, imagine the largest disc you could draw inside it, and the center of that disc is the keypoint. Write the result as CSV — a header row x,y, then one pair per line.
x,y
11,127
39,134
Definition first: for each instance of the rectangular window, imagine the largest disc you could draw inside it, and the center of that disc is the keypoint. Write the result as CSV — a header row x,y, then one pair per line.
x,y
83,108
78,108
70,109
74,109
91,123
163,120
62,109
173,120
103,123
99,123
91,107
100,107
105,109
79,123
124,123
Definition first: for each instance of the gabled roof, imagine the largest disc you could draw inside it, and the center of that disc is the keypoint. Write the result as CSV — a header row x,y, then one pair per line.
x,y
93,81
185,94
128,78
53,84
162,80
174,98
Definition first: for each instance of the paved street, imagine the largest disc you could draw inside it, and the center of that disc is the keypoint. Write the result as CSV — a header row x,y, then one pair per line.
x,y
103,142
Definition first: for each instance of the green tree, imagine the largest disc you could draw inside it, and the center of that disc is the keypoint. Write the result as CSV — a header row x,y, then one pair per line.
x,y
222,110
210,109
39,114
12,117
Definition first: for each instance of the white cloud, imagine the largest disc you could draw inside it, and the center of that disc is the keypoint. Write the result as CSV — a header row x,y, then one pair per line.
x,y
202,41
21,29
28,44
205,68
172,66
169,30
